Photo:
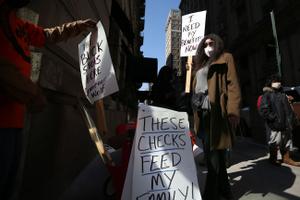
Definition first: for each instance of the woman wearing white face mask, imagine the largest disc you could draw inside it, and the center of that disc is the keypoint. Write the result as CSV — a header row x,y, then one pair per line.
x,y
209,47
216,115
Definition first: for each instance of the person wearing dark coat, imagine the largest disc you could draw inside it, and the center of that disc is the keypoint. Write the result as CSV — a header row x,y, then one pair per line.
x,y
279,118
163,92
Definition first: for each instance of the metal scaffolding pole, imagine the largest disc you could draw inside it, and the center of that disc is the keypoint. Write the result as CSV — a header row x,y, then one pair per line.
x,y
278,56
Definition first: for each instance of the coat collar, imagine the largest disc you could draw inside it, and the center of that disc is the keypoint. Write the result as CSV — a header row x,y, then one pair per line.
x,y
268,89
221,59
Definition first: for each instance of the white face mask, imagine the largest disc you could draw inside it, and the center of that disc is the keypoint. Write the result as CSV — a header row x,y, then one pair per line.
x,y
276,85
209,51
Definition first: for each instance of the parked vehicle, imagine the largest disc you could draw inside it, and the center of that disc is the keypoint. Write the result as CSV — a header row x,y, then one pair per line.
x,y
295,93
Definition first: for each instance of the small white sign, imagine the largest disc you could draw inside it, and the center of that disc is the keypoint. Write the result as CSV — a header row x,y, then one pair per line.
x,y
161,164
192,32
97,71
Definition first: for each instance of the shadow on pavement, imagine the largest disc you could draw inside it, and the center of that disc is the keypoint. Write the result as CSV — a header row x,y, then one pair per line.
x,y
251,173
93,182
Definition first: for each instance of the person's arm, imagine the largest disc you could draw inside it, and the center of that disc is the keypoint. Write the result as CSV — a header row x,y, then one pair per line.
x,y
195,113
20,88
292,116
234,92
68,30
194,82
38,36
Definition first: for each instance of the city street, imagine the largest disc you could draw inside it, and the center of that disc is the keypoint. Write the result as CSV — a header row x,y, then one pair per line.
x,y
73,76
253,178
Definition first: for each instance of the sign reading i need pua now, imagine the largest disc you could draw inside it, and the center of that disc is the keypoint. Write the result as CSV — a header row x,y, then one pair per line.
x,y
192,32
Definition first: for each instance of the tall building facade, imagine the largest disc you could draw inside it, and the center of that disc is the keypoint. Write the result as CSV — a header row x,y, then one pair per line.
x,y
173,38
246,29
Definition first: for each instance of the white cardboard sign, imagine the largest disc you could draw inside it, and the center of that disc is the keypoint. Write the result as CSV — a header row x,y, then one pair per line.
x,y
192,32
97,71
161,164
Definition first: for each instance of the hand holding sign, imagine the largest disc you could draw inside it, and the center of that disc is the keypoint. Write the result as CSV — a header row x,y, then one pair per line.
x,y
193,29
192,32
97,71
89,23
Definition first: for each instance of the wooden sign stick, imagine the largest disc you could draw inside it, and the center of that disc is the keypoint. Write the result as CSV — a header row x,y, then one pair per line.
x,y
188,74
101,120
104,154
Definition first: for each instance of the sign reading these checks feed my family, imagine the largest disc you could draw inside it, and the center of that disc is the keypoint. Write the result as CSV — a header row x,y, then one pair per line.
x,y
161,165
97,71
192,32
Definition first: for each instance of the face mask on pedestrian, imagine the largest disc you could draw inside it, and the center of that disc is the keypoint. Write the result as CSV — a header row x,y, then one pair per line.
x,y
276,85
209,47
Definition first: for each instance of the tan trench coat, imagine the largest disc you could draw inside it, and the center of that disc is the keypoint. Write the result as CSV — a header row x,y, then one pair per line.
x,y
225,97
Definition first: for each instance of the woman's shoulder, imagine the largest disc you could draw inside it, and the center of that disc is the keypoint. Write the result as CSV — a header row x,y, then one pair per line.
x,y
225,57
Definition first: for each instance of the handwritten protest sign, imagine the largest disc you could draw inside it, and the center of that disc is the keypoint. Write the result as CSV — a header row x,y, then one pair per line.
x,y
161,164
97,71
192,32
193,27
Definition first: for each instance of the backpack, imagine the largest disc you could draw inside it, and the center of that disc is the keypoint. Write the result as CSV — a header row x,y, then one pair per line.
x,y
258,103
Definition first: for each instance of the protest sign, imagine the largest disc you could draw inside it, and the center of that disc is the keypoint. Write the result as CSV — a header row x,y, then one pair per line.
x,y
161,164
192,32
97,71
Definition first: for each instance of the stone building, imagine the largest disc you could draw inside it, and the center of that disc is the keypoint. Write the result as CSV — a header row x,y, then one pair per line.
x,y
57,142
173,37
246,29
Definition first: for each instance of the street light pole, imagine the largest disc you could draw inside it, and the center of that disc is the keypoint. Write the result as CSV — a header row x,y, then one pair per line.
x,y
278,57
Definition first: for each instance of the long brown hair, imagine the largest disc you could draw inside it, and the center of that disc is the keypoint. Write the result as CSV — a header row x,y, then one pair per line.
x,y
201,58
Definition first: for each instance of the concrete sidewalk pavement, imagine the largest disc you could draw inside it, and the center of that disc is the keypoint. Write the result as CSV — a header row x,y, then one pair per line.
x,y
252,177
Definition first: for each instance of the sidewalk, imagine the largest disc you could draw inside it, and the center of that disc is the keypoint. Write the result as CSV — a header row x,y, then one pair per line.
x,y
252,177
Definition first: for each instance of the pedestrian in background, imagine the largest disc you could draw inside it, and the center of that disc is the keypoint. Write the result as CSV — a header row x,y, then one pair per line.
x,y
216,111
163,92
279,119
18,93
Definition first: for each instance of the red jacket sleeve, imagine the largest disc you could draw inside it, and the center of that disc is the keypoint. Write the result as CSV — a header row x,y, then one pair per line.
x,y
36,35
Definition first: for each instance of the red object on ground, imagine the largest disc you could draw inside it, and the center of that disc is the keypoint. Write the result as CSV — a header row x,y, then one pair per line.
x,y
124,128
118,172
193,139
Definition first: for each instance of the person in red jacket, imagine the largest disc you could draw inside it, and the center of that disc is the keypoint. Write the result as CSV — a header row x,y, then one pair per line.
x,y
18,93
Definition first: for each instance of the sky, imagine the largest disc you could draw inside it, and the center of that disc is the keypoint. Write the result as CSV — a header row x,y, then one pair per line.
x,y
156,15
